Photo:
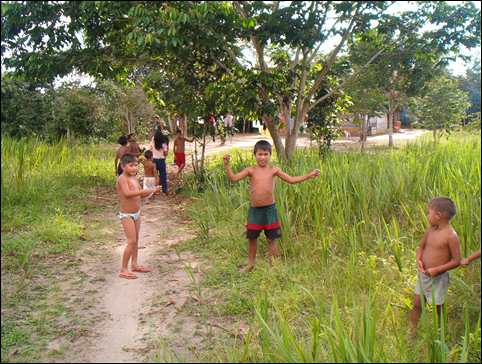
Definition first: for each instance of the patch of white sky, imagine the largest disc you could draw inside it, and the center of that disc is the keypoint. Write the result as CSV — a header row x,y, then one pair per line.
x,y
457,67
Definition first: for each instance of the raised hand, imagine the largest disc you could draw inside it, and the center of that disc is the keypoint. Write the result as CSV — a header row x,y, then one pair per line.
x,y
226,159
314,173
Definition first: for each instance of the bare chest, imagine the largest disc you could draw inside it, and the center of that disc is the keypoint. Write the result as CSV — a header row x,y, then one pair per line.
x,y
437,241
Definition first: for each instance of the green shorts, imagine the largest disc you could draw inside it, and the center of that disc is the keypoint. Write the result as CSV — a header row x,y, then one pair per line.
x,y
263,218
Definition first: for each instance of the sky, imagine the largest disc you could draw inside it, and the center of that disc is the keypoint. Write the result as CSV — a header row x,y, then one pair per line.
x,y
457,67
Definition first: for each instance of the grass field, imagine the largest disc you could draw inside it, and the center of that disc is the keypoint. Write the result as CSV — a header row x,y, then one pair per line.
x,y
342,289
344,286
45,191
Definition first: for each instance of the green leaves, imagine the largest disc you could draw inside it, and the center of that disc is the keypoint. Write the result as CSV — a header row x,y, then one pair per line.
x,y
442,106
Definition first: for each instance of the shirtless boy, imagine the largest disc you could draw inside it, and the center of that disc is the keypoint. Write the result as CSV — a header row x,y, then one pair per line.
x,y
262,214
438,252
150,180
179,154
130,194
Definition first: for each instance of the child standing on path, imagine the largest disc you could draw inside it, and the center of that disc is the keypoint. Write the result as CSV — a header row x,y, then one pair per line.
x,y
150,180
262,214
130,195
123,149
438,252
179,148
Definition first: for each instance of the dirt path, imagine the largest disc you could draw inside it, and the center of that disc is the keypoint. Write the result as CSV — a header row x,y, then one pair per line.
x,y
132,318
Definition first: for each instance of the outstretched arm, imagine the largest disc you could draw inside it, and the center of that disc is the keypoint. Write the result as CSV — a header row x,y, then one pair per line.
x,y
234,177
296,179
468,260
124,186
454,262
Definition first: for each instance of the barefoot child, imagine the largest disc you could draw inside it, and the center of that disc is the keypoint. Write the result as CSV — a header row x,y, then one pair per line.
x,y
179,155
130,195
438,252
150,180
466,261
123,149
262,214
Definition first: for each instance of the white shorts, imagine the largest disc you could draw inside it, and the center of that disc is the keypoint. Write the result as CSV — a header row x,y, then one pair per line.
x,y
149,182
439,284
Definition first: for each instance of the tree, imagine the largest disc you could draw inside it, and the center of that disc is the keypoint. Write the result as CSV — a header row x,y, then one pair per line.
x,y
442,106
412,57
286,38
471,84
367,99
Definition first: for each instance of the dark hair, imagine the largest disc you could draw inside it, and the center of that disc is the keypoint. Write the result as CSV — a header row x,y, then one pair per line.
x,y
148,154
263,145
122,140
159,139
178,131
443,205
128,158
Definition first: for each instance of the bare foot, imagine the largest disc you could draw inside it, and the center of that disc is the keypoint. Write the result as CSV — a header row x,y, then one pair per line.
x,y
247,269
141,269
127,275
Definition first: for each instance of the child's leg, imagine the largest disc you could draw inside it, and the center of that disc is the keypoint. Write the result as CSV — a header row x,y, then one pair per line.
x,y
179,172
273,251
439,309
252,248
416,312
134,264
130,231
137,224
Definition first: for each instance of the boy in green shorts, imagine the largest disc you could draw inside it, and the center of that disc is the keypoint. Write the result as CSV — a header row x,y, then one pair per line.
x,y
262,214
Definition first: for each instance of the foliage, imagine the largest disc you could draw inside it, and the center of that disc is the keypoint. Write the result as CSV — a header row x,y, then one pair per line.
x,y
442,106
189,47
97,112
471,84
324,120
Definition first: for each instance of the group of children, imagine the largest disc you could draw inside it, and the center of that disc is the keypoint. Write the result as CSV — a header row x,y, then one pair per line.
x,y
129,191
438,251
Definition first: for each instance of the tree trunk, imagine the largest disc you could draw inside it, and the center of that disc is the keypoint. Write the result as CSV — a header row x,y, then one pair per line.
x,y
278,143
364,131
291,138
390,126
184,125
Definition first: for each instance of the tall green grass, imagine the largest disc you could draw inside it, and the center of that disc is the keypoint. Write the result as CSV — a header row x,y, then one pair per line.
x,y
45,190
345,284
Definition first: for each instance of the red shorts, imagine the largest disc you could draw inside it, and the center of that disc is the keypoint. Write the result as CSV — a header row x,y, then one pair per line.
x,y
180,159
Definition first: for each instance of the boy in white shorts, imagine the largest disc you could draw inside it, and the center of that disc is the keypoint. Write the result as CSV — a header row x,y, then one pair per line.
x,y
149,181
